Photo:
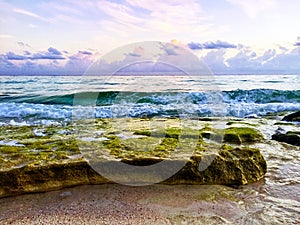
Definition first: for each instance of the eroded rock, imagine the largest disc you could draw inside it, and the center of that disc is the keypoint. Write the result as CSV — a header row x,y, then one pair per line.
x,y
292,117
290,137
50,161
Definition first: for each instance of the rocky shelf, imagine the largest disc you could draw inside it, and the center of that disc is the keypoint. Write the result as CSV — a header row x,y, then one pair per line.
x,y
193,151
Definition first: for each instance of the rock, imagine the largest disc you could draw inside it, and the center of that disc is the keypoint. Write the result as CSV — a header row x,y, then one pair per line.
x,y
234,166
290,137
230,166
57,160
29,179
240,135
292,117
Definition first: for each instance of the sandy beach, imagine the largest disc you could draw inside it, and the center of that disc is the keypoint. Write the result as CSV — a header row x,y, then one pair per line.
x,y
116,204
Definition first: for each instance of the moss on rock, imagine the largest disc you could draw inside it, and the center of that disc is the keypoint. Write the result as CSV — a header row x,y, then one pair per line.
x,y
242,135
231,166
46,162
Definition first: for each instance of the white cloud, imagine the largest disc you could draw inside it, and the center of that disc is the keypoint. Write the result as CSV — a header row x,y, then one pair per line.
x,y
6,36
27,13
247,61
161,20
31,14
32,26
243,60
253,7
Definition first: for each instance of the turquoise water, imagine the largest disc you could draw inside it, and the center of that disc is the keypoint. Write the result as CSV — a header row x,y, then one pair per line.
x,y
51,99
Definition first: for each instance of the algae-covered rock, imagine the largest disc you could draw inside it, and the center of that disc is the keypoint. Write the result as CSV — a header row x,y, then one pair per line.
x,y
292,117
242,135
56,160
231,166
40,178
290,137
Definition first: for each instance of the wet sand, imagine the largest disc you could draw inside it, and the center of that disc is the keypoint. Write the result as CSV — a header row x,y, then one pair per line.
x,y
117,204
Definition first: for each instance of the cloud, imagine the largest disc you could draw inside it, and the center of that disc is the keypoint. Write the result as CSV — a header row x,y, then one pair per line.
x,y
254,7
85,52
297,42
32,15
134,54
149,57
45,63
6,36
46,55
239,60
22,44
51,54
244,61
211,45
13,56
155,19
285,62
215,60
54,51
27,13
32,26
247,61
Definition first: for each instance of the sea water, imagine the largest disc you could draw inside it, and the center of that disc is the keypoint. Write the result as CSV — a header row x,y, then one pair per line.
x,y
50,99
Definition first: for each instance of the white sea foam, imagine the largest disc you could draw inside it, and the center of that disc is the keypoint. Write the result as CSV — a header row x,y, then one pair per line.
x,y
33,114
11,143
39,133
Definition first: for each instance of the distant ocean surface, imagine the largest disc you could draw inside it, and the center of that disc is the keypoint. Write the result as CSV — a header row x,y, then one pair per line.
x,y
51,99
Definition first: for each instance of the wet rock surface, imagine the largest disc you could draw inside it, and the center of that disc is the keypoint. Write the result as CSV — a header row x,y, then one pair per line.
x,y
292,117
54,160
290,137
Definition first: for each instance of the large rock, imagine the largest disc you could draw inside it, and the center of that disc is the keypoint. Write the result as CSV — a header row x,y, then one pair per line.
x,y
230,166
292,117
31,163
41,178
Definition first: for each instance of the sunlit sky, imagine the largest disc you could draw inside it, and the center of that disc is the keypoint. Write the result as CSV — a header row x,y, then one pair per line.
x,y
230,36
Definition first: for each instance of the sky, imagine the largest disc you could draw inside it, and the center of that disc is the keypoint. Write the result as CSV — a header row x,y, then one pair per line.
x,y
65,37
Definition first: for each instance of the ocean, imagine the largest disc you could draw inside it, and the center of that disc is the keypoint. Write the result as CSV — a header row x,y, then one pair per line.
x,y
260,100
52,99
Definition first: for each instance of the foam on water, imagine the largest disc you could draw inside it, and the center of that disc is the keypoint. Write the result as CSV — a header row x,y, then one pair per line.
x,y
21,114
11,143
50,100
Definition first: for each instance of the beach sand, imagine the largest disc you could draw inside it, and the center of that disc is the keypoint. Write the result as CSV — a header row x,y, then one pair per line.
x,y
117,204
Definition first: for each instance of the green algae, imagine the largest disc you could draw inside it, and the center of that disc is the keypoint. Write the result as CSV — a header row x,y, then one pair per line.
x,y
20,132
142,147
242,135
50,147
44,162
147,138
